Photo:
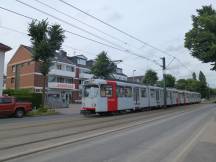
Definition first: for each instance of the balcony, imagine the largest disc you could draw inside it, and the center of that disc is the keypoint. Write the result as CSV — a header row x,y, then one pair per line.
x,y
85,75
57,85
62,73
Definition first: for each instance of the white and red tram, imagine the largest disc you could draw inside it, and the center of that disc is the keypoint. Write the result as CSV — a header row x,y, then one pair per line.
x,y
102,96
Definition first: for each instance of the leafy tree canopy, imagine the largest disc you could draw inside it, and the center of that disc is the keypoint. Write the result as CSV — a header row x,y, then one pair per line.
x,y
170,81
45,41
150,77
192,85
201,39
103,67
202,78
194,76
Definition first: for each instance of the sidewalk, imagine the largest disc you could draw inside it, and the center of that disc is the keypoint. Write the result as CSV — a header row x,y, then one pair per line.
x,y
204,149
73,109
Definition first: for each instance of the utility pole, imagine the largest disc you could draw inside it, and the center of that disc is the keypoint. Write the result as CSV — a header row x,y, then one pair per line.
x,y
164,80
133,74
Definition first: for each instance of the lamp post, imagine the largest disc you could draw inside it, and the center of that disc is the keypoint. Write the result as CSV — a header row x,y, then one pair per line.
x,y
133,74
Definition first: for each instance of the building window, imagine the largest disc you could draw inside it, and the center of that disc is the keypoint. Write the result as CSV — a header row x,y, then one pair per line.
x,y
70,68
12,80
70,81
60,80
59,67
86,71
81,82
51,78
81,62
13,68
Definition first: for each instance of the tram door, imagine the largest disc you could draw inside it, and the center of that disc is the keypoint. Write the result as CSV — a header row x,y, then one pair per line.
x,y
136,95
157,97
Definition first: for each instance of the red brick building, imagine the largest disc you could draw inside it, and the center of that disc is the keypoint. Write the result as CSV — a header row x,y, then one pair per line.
x,y
22,71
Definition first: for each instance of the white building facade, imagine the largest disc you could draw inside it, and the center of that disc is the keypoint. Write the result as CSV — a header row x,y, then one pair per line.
x,y
3,49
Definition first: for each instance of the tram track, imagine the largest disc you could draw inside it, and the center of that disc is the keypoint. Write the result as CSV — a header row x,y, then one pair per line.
x,y
109,128
97,126
66,121
78,123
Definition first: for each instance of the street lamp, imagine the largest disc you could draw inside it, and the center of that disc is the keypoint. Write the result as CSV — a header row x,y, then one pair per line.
x,y
133,74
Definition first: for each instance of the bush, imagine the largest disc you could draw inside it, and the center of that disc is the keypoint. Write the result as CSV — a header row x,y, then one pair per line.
x,y
42,111
25,95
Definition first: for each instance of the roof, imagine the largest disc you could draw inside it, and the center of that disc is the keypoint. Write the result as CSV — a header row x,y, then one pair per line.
x,y
62,58
59,56
78,56
136,78
27,47
122,74
4,48
81,56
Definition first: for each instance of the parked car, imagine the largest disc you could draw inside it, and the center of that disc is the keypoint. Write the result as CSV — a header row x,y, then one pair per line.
x,y
9,106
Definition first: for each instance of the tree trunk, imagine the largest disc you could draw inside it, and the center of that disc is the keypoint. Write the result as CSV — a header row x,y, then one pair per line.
x,y
44,91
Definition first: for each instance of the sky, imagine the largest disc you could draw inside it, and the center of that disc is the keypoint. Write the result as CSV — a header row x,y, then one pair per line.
x,y
161,24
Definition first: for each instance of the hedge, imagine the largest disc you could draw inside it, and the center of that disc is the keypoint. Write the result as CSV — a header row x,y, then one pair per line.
x,y
25,95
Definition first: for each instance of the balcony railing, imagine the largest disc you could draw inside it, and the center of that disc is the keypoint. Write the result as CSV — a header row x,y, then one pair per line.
x,y
57,85
62,73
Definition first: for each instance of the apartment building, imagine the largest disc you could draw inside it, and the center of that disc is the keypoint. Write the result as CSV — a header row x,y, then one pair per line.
x,y
65,77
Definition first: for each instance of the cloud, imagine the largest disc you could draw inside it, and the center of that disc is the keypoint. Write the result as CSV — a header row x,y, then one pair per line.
x,y
115,17
175,48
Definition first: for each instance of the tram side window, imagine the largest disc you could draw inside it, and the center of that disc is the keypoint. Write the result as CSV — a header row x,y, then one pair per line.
x,y
128,92
90,91
120,91
168,94
157,95
106,90
152,93
143,92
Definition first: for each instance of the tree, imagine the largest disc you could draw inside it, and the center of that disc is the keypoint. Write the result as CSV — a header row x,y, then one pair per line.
x,y
204,87
181,84
170,81
103,67
201,39
202,78
150,77
192,85
46,40
194,76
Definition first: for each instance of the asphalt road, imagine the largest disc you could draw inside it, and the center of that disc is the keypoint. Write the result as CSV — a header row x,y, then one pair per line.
x,y
168,139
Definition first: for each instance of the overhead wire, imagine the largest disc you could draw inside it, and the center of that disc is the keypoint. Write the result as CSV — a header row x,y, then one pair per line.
x,y
84,37
123,32
73,18
68,23
76,49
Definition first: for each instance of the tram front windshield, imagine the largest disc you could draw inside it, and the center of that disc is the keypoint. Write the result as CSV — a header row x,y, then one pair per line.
x,y
91,91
